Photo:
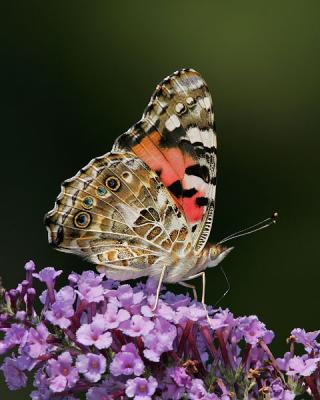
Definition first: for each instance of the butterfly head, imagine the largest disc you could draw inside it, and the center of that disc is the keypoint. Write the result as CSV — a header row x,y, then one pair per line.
x,y
216,253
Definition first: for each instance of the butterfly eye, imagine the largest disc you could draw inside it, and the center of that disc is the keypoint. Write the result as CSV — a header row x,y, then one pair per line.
x,y
213,252
113,183
82,219
88,202
101,191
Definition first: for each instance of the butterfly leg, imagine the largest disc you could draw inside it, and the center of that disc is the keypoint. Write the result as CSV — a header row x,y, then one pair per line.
x,y
203,275
195,296
159,288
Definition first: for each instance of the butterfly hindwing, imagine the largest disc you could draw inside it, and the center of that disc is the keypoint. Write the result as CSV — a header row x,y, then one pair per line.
x,y
117,214
176,139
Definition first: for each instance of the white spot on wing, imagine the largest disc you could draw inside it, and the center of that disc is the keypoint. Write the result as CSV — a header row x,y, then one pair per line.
x,y
207,137
189,101
162,198
204,136
194,135
207,103
179,107
172,123
127,176
192,181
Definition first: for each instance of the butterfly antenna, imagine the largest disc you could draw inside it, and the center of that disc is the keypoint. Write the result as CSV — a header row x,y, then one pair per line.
x,y
227,289
251,229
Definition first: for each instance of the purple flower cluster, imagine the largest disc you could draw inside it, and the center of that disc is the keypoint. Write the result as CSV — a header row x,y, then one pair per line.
x,y
97,338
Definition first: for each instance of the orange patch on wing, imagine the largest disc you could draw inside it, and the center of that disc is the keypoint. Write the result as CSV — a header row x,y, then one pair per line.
x,y
150,152
193,212
170,164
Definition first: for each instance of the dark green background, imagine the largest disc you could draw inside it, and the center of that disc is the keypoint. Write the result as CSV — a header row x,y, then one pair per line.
x,y
75,75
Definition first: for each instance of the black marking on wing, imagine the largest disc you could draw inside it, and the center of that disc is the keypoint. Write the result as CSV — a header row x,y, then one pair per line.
x,y
87,183
151,106
176,188
205,148
188,147
75,196
189,192
59,237
202,150
161,90
201,171
172,138
125,141
201,201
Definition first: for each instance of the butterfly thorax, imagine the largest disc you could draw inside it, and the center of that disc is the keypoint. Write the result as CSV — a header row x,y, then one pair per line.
x,y
179,268
183,267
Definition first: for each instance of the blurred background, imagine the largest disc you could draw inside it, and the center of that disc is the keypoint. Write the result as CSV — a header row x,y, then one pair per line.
x,y
75,75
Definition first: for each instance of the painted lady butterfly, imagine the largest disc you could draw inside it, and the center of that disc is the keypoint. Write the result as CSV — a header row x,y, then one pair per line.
x,y
146,208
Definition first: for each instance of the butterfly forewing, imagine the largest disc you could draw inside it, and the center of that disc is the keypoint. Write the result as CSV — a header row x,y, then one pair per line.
x,y
176,139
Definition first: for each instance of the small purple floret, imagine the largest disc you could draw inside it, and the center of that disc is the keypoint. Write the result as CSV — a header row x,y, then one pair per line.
x,y
47,275
127,362
60,314
160,339
14,375
302,366
95,333
61,373
141,388
92,366
308,339
114,316
137,326
36,343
